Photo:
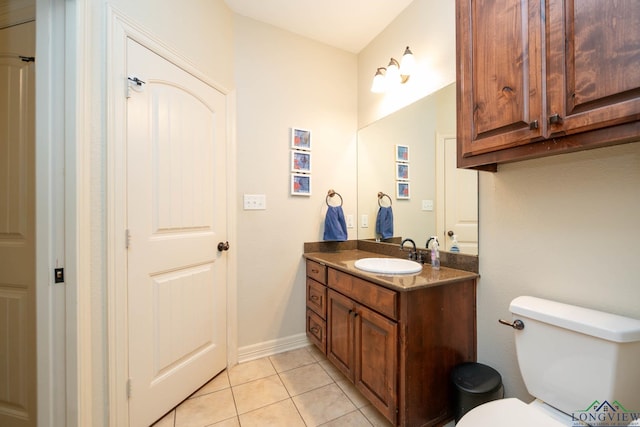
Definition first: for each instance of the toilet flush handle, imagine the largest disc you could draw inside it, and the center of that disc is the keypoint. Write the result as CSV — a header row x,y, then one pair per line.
x,y
517,324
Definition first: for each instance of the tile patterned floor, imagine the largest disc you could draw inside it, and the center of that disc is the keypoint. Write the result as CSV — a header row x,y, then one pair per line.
x,y
297,388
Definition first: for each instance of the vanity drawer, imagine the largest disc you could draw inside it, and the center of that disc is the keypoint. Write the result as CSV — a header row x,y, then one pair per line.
x,y
317,297
378,298
317,331
317,271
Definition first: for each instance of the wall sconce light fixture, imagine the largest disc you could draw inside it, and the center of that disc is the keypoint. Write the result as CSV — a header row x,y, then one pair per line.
x,y
394,73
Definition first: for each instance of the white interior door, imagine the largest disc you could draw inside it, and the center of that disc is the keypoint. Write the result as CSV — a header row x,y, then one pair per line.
x,y
176,214
457,199
17,227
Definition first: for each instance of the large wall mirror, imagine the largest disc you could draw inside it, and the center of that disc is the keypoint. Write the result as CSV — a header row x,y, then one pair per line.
x,y
440,199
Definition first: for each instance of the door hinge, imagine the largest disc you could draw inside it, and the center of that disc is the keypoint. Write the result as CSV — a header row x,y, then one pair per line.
x,y
127,238
129,388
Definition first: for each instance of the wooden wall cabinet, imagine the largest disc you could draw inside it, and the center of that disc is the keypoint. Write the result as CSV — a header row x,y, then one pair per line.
x,y
398,347
536,78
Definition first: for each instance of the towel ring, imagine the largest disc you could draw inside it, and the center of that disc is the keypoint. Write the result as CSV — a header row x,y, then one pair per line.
x,y
330,194
381,195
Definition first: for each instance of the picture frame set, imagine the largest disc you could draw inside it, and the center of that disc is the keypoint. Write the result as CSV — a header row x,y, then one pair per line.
x,y
300,165
402,164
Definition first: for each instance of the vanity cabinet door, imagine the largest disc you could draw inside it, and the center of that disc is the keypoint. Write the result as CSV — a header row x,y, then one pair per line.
x,y
341,313
376,360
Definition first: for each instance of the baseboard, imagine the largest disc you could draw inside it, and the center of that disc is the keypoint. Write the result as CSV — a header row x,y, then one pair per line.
x,y
269,348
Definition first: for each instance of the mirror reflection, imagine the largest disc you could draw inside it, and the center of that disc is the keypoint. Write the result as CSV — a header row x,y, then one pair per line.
x,y
427,194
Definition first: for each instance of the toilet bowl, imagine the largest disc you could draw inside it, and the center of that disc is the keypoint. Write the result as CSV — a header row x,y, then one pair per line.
x,y
514,412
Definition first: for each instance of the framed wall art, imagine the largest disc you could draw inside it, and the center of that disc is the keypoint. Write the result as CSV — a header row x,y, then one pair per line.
x,y
300,161
300,184
300,139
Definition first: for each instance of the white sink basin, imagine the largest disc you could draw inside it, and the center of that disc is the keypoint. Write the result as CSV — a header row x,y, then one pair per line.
x,y
388,265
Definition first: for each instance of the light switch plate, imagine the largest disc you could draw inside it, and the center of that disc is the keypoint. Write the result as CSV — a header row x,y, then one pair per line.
x,y
349,221
254,202
427,205
364,221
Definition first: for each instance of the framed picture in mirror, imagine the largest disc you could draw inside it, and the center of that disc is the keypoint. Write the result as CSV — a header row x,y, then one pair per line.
x,y
403,190
402,153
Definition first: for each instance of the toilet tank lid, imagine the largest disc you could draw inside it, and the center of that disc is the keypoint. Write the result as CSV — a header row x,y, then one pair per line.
x,y
611,327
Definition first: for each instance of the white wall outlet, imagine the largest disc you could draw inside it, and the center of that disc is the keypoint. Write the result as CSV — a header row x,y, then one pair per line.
x,y
427,205
364,221
349,221
254,202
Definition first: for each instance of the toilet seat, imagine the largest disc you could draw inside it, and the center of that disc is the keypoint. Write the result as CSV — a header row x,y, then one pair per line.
x,y
507,413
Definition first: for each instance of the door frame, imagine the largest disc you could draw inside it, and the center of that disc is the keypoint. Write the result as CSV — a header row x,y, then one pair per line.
x,y
119,29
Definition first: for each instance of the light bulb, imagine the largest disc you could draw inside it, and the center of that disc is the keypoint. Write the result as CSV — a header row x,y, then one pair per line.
x,y
393,73
408,63
378,85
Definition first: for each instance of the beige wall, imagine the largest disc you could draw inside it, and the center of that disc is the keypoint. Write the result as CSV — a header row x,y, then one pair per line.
x,y
284,80
564,228
200,30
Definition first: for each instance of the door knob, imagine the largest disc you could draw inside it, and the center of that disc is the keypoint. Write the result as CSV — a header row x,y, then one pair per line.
x,y
223,246
450,233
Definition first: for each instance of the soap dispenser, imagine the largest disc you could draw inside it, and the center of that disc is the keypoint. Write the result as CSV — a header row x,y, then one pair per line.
x,y
454,245
435,253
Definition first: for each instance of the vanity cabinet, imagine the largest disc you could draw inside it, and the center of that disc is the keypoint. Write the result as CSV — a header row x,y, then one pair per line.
x,y
398,347
545,77
317,304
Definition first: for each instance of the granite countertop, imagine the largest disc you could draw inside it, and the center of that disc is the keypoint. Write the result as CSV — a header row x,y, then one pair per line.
x,y
344,261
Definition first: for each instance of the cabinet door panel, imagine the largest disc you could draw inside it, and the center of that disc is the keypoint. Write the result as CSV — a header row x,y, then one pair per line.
x,y
376,360
500,94
340,337
593,57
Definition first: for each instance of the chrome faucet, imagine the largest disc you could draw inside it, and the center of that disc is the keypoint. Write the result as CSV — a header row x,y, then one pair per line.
x,y
412,254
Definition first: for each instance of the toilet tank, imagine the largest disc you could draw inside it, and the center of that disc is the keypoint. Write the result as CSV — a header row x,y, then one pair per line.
x,y
574,358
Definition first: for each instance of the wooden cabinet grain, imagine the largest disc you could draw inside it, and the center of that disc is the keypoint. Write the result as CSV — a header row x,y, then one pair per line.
x,y
398,347
544,77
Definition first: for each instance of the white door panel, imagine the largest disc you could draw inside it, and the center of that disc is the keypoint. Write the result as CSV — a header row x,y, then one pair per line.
x,y
17,228
176,214
461,204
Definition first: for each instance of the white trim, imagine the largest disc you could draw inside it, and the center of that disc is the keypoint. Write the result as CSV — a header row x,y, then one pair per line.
x,y
440,187
119,29
50,210
269,348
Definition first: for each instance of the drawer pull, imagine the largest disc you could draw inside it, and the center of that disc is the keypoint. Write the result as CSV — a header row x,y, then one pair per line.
x,y
313,270
315,330
314,297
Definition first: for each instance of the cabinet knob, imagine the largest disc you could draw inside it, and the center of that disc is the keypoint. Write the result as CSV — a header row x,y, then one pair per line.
x,y
555,119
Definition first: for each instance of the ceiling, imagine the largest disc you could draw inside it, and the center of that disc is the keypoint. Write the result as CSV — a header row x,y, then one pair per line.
x,y
346,24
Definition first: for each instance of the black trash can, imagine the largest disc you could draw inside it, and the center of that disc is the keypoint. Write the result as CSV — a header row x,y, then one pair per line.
x,y
473,385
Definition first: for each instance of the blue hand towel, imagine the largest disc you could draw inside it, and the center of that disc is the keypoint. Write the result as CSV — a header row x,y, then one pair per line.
x,y
384,222
335,227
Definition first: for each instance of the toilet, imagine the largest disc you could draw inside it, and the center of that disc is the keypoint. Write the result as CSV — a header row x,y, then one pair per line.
x,y
581,365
